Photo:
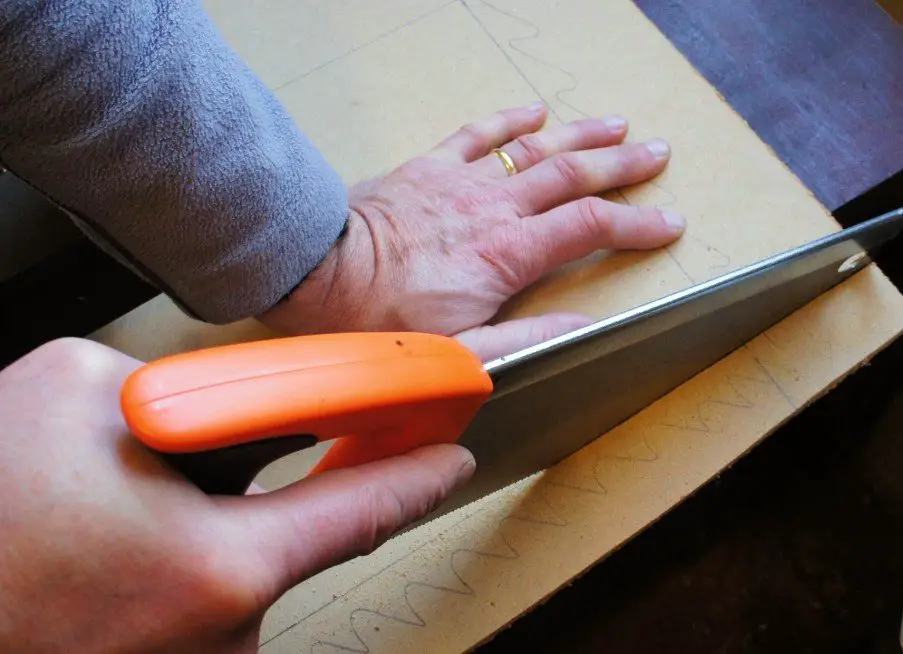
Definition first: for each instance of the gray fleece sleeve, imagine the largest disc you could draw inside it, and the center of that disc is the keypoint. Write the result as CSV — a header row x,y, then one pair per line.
x,y
136,118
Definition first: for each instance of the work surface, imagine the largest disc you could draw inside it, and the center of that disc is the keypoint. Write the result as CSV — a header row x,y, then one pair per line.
x,y
732,572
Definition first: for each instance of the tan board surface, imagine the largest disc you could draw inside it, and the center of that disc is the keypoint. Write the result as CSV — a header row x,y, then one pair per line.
x,y
373,88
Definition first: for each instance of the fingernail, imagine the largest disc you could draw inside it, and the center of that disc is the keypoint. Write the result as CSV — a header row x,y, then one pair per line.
x,y
466,471
674,220
616,123
537,107
659,148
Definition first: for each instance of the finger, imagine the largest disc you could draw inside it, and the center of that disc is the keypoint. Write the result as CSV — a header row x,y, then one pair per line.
x,y
492,341
530,149
577,229
475,140
572,175
324,520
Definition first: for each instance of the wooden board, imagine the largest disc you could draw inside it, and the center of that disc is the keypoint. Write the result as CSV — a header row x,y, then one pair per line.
x,y
372,89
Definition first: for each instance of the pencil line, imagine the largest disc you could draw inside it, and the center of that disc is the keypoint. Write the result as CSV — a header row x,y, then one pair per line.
x,y
514,42
510,60
361,46
370,577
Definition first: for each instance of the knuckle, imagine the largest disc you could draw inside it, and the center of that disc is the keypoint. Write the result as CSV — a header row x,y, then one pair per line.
x,y
382,511
533,148
81,357
635,157
74,369
476,134
505,255
508,117
594,217
412,170
218,587
570,169
643,215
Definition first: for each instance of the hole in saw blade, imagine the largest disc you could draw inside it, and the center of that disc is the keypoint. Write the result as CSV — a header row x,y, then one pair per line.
x,y
856,261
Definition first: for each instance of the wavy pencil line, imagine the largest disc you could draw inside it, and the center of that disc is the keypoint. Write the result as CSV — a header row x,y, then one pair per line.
x,y
514,42
700,423
519,45
508,552
725,259
534,36
506,548
651,457
359,642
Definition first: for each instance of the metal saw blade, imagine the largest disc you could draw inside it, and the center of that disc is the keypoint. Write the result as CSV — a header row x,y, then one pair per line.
x,y
555,398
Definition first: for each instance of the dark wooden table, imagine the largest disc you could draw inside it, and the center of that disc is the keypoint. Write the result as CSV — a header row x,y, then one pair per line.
x,y
799,547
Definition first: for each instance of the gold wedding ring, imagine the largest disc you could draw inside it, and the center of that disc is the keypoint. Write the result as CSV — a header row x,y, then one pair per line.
x,y
507,161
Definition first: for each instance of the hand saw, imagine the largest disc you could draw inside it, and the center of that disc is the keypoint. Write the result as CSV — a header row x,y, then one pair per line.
x,y
222,414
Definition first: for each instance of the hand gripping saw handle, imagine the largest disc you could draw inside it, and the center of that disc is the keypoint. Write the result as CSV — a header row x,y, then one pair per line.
x,y
221,415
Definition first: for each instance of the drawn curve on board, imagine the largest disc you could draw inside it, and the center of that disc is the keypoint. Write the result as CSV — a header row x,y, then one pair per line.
x,y
357,642
701,420
513,43
509,552
508,549
549,517
517,43
552,518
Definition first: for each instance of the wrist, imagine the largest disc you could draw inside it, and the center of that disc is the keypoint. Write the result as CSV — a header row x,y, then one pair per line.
x,y
320,302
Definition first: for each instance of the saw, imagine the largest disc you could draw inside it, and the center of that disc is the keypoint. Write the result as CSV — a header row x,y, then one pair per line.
x,y
222,414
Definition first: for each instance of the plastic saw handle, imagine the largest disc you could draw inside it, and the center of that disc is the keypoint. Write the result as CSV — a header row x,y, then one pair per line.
x,y
222,414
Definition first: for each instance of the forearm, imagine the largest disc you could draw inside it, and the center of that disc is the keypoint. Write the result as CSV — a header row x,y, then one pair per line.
x,y
136,118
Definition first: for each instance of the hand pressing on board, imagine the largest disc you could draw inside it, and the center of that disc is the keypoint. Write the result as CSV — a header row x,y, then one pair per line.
x,y
442,242
105,549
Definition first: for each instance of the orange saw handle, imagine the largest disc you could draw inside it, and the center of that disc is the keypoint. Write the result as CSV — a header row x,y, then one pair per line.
x,y
221,415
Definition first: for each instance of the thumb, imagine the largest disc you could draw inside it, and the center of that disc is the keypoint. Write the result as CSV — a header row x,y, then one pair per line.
x,y
493,341
326,519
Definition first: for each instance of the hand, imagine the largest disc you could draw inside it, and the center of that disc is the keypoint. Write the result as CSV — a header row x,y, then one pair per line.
x,y
105,549
440,243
